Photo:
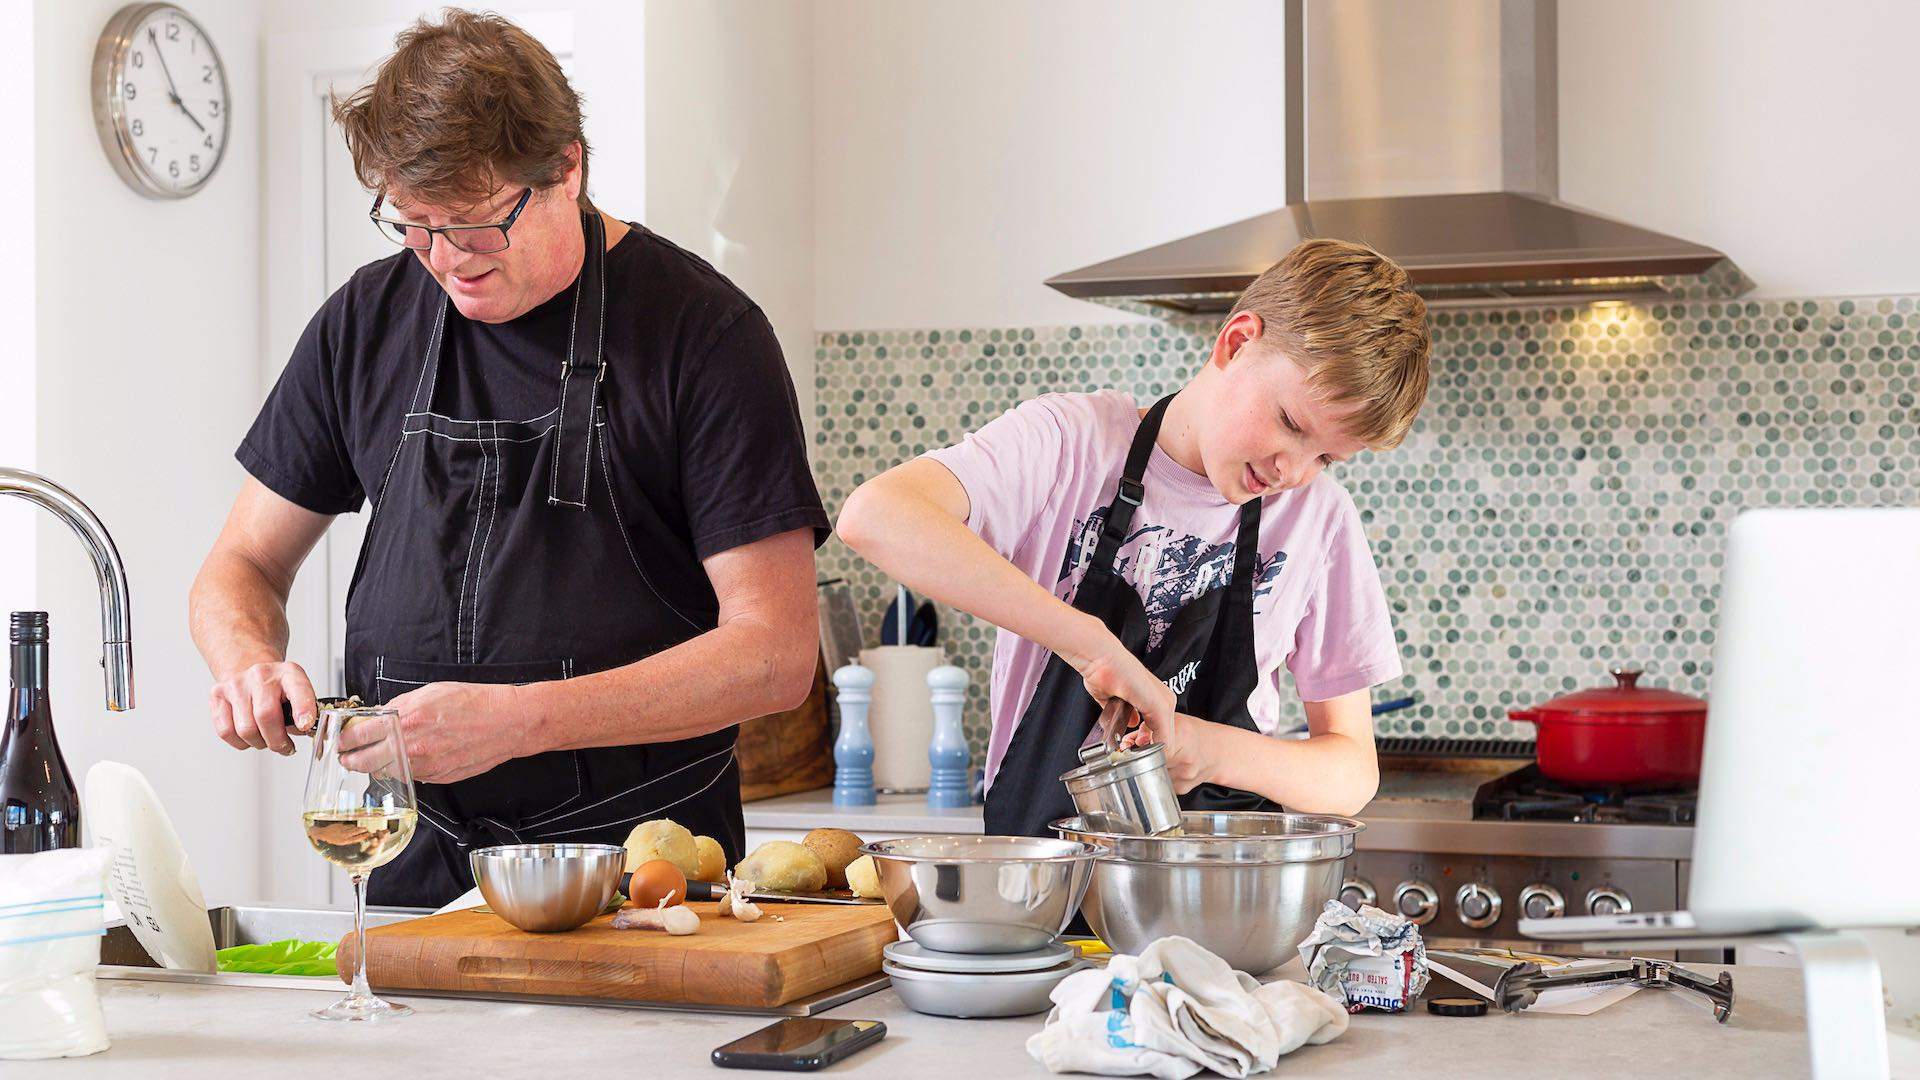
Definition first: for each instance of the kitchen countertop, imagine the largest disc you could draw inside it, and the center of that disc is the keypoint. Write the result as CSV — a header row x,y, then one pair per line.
x,y
209,1033
889,814
1393,824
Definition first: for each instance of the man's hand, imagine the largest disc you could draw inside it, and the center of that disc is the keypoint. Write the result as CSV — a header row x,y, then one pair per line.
x,y
246,706
456,730
1187,743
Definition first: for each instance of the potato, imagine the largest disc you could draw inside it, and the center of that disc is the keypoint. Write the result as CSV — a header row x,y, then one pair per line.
x,y
713,860
864,878
783,866
836,848
662,839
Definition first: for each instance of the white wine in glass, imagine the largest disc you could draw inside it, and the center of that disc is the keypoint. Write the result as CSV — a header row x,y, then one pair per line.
x,y
359,813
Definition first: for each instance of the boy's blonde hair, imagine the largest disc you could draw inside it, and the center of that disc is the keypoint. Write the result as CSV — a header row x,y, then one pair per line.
x,y
1350,317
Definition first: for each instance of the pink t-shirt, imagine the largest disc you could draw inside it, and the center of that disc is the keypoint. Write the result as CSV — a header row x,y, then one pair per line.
x,y
1039,479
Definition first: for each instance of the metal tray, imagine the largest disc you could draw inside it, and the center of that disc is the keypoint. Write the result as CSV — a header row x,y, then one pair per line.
x,y
122,957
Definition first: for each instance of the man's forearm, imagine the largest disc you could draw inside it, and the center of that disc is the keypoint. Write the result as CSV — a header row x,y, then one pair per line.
x,y
1329,773
738,671
237,616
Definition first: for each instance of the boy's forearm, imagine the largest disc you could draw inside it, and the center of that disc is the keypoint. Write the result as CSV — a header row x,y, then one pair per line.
x,y
1329,773
922,546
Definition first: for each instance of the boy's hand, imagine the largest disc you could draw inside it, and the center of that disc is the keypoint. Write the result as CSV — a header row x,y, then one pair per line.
x,y
1184,740
1116,673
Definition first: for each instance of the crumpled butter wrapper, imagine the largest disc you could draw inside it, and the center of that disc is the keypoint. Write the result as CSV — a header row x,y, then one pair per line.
x,y
1366,959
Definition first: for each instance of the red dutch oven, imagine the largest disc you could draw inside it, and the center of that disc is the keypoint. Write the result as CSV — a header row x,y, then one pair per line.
x,y
1625,734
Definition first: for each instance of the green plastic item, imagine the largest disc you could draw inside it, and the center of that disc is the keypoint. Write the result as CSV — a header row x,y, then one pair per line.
x,y
288,957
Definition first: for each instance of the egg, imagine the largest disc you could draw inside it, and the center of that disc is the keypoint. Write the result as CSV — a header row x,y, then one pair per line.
x,y
654,881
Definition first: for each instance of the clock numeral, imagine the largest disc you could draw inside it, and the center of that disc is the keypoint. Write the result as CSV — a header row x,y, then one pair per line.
x,y
173,31
207,142
139,59
213,106
129,91
173,169
139,127
206,73
193,162
153,155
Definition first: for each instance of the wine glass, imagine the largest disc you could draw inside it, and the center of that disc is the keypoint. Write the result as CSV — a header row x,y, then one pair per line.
x,y
359,812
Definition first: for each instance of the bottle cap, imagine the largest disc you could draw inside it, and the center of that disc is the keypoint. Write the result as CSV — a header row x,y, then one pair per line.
x,y
1457,1006
27,628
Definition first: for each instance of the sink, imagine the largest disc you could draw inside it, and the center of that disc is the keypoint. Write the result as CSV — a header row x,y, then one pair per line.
x,y
122,957
253,926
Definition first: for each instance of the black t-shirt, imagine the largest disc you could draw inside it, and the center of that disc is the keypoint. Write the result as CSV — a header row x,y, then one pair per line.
x,y
700,409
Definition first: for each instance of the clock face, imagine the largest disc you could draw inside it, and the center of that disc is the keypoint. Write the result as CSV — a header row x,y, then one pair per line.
x,y
163,90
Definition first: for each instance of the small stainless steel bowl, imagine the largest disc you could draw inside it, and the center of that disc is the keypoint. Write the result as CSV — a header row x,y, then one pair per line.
x,y
1245,885
548,887
983,894
975,995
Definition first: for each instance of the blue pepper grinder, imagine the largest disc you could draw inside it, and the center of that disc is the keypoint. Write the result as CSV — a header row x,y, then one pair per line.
x,y
948,750
853,750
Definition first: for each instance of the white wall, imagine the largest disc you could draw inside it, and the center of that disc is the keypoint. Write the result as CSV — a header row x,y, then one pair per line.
x,y
1780,132
18,418
729,152
963,153
147,318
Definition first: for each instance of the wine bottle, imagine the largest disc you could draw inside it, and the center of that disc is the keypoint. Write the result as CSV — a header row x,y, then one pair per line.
x,y
36,790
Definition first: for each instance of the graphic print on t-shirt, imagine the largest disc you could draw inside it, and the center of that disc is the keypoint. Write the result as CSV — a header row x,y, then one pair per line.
x,y
1165,567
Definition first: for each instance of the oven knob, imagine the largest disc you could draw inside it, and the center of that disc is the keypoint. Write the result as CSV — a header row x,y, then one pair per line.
x,y
1417,901
1608,901
1479,905
1542,902
1355,892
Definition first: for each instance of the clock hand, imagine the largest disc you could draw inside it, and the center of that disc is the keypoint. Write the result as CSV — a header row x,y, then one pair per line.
x,y
173,94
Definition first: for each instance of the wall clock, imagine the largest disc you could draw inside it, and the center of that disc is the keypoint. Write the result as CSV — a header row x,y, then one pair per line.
x,y
160,100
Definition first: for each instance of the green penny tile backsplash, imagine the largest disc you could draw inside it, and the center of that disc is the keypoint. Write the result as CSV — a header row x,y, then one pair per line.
x,y
1559,509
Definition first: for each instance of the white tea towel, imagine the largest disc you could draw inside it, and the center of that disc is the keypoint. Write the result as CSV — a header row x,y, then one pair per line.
x,y
1177,1009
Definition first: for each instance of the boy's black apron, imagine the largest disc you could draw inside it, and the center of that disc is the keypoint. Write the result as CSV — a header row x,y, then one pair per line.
x,y
495,554
1206,657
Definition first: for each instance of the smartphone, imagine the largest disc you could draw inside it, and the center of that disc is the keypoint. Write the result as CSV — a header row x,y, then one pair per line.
x,y
799,1043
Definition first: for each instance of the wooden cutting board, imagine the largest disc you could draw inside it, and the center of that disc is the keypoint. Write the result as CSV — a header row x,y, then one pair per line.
x,y
769,962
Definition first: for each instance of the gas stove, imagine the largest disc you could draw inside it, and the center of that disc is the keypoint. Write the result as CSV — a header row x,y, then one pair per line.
x,y
1526,795
1467,838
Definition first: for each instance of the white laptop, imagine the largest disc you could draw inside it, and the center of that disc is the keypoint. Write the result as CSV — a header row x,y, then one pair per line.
x,y
1811,774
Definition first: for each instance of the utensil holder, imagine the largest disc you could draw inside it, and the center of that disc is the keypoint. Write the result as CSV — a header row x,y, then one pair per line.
x,y
853,750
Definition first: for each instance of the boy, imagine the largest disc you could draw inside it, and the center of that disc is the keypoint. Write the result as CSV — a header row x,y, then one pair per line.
x,y
1178,556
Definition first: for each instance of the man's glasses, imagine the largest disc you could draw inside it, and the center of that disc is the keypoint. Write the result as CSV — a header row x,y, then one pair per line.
x,y
474,239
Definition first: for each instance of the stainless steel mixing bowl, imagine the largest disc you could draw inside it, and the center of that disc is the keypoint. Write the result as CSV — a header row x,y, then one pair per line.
x,y
983,894
1247,886
548,887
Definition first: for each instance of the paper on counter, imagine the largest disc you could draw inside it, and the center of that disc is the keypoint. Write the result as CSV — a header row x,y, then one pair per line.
x,y
469,899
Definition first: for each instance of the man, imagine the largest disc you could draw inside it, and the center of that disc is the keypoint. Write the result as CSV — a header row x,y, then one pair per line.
x,y
590,554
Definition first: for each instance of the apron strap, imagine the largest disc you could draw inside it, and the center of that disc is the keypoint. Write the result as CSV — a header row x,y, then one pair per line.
x,y
1127,498
581,374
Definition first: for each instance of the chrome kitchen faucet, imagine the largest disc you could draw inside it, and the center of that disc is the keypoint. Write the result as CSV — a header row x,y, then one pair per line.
x,y
116,611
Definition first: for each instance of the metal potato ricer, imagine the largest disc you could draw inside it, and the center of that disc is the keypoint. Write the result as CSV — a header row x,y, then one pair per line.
x,y
1123,791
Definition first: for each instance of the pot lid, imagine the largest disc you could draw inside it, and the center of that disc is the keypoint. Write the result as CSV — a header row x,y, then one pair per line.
x,y
1625,702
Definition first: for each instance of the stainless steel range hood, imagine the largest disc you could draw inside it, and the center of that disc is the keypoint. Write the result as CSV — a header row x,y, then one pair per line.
x,y
1511,247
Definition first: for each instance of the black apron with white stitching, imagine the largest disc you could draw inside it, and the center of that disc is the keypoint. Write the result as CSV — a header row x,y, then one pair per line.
x,y
496,554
